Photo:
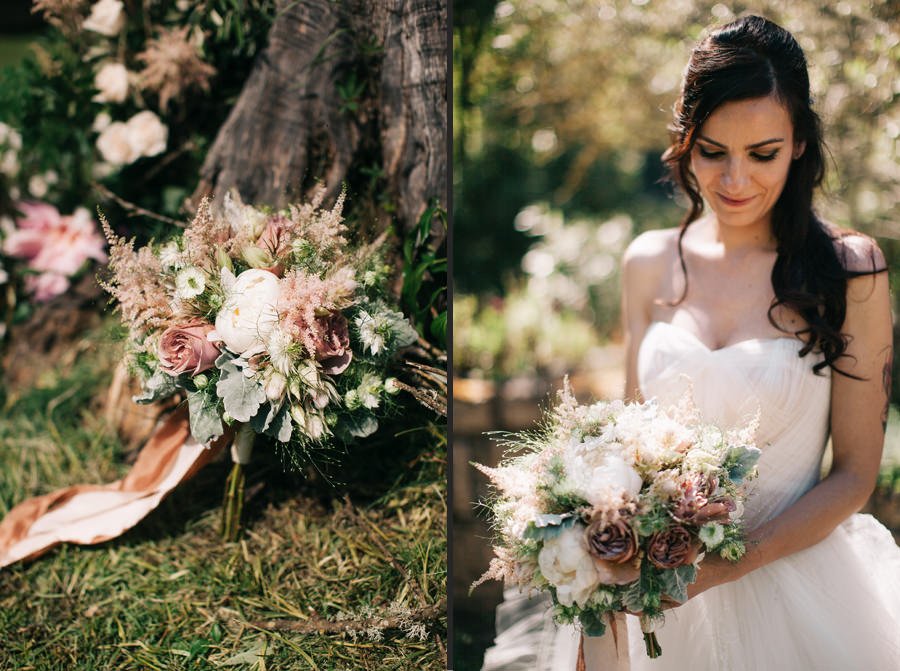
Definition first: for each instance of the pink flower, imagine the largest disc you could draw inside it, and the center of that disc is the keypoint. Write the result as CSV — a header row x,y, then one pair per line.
x,y
185,349
46,286
332,339
53,243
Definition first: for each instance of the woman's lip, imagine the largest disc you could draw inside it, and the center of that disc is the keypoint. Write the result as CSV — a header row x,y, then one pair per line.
x,y
735,202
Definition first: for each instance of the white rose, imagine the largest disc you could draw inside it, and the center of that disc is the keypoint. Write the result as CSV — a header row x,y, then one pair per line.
x,y
147,134
115,146
107,18
111,81
249,314
566,564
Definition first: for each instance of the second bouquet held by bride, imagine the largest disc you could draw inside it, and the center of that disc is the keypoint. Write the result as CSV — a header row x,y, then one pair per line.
x,y
271,323
610,507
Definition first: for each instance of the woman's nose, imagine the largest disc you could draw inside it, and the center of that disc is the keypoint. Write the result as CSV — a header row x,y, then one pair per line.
x,y
736,174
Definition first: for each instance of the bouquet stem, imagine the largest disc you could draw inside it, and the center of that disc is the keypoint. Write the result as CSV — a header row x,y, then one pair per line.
x,y
233,503
653,648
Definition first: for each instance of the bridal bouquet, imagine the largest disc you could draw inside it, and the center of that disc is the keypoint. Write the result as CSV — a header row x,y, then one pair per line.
x,y
269,321
611,506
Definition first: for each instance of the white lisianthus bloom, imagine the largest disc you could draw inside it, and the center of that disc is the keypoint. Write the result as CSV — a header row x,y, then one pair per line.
x,y
711,534
147,134
114,144
107,18
248,314
111,82
566,564
189,283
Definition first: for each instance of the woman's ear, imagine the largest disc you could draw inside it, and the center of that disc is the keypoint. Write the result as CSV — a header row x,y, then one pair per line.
x,y
799,148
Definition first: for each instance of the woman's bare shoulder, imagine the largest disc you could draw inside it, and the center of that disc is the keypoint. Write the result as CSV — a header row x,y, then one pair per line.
x,y
857,252
652,250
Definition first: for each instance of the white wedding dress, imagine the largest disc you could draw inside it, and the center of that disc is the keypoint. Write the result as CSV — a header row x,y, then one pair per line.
x,y
834,606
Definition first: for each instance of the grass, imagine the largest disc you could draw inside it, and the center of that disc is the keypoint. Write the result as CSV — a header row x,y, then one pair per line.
x,y
325,577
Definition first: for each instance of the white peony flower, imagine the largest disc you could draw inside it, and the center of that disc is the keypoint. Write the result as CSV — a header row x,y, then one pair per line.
x,y
147,134
114,144
111,82
189,283
566,564
249,314
107,18
602,482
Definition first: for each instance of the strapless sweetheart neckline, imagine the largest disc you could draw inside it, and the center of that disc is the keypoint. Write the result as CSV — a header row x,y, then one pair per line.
x,y
734,345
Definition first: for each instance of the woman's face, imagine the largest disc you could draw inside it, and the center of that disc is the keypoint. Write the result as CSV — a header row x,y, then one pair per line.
x,y
741,159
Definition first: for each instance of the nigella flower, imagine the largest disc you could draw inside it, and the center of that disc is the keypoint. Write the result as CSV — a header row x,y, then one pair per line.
x,y
384,329
189,283
368,391
712,535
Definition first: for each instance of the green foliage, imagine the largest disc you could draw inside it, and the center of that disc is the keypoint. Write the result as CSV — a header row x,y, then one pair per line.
x,y
424,291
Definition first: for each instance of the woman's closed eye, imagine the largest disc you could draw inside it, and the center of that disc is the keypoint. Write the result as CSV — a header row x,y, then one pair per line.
x,y
756,156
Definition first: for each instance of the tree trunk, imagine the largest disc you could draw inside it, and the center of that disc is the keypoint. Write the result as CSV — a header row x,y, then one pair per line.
x,y
347,92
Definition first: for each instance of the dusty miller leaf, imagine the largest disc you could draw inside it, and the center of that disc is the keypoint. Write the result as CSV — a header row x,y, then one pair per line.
x,y
206,425
241,395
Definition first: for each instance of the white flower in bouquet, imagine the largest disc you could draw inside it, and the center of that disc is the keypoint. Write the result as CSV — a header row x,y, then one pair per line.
x,y
189,283
385,328
391,386
275,384
111,82
278,346
249,314
245,221
170,255
603,479
107,18
712,535
369,391
565,563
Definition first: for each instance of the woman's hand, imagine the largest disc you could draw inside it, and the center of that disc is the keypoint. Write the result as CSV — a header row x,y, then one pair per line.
x,y
713,571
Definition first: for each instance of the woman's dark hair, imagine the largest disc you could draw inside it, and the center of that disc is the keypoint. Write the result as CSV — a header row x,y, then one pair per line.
x,y
753,58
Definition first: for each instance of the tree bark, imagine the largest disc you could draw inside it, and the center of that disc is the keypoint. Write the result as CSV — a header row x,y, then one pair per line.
x,y
341,86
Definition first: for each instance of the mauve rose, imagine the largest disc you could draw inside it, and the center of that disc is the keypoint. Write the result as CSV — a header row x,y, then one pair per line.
x,y
185,349
615,542
613,548
333,343
672,548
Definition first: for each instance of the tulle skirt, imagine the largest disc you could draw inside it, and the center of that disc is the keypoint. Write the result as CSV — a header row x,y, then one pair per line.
x,y
832,607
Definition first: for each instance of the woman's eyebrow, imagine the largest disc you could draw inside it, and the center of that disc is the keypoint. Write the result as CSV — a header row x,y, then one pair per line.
x,y
755,145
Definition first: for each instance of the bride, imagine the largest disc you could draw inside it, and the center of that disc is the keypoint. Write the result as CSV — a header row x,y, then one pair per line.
x,y
755,304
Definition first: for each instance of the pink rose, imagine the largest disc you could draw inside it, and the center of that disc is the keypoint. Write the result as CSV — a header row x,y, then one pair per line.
x,y
185,349
332,341
672,547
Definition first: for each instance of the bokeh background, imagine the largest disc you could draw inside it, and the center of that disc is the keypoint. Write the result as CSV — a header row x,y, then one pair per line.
x,y
560,116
